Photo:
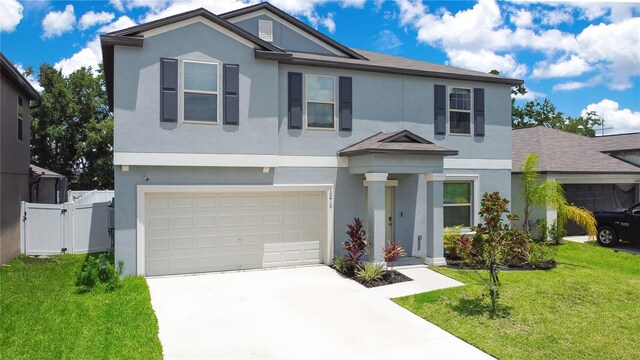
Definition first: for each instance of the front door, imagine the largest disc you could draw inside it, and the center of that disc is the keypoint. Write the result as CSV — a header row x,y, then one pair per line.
x,y
389,213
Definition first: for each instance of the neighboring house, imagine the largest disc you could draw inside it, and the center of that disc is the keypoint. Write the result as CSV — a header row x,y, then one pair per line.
x,y
47,187
16,95
596,173
250,140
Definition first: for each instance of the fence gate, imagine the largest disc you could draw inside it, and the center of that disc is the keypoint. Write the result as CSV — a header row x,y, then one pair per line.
x,y
49,229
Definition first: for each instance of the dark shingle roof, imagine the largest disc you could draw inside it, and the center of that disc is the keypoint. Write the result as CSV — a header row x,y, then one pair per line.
x,y
42,172
398,142
616,143
562,152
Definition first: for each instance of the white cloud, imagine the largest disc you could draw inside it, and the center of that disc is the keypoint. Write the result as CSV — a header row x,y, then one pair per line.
x,y
621,120
522,19
31,79
387,41
117,4
56,23
123,22
177,7
11,11
556,17
530,95
328,23
573,66
91,54
485,61
92,18
570,85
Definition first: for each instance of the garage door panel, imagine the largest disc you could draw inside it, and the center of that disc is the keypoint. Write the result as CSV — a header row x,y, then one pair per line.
x,y
203,232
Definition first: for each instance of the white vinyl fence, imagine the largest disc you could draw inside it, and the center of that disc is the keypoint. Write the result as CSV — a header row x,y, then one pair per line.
x,y
90,196
49,229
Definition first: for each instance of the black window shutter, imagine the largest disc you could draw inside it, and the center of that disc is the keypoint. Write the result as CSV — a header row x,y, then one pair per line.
x,y
478,112
440,108
295,100
345,105
231,94
169,89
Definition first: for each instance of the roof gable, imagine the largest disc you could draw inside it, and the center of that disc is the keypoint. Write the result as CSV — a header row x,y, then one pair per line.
x,y
295,25
399,142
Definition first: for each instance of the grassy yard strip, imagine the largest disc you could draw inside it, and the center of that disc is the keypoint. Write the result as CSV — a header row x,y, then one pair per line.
x,y
43,316
586,308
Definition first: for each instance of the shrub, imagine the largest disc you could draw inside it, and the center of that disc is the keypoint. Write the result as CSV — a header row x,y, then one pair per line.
x,y
539,254
99,270
451,236
356,244
341,264
542,230
392,252
557,233
370,271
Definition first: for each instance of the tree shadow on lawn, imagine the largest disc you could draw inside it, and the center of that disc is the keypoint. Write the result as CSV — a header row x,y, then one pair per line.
x,y
479,306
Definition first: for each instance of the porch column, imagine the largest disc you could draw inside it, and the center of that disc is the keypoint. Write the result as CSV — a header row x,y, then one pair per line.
x,y
376,215
435,223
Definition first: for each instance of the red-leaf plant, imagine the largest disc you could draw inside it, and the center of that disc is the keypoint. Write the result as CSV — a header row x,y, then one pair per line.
x,y
356,244
392,252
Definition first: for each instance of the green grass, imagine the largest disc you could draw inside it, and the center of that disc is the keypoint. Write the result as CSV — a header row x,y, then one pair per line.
x,y
43,316
586,308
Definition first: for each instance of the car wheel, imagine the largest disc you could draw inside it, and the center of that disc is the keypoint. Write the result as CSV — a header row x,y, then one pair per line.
x,y
607,236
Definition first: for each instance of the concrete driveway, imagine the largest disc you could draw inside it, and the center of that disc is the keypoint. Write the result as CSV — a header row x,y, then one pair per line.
x,y
307,312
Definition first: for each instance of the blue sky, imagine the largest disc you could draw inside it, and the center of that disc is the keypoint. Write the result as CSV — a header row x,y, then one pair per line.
x,y
580,55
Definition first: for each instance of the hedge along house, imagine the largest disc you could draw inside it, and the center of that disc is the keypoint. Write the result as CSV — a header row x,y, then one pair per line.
x,y
249,140
596,173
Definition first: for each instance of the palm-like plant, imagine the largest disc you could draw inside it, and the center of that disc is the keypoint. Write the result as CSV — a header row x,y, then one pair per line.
x,y
551,193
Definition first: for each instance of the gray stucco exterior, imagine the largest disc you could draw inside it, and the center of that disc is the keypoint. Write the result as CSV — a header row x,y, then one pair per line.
x,y
14,167
381,103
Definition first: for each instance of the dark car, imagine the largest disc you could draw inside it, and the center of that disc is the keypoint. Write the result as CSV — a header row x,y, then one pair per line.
x,y
618,224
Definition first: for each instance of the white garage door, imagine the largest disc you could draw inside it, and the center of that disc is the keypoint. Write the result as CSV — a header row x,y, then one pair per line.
x,y
201,232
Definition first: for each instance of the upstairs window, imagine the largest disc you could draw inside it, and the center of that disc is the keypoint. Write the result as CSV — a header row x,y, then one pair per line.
x,y
200,91
20,117
460,111
320,101
457,204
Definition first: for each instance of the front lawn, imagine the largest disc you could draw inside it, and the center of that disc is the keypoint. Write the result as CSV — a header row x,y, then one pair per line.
x,y
586,308
43,316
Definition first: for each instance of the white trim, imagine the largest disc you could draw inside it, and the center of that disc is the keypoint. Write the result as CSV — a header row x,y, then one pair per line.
x,y
194,20
388,183
475,205
284,22
435,177
307,101
376,177
449,88
480,164
125,168
435,261
226,160
143,190
594,178
216,93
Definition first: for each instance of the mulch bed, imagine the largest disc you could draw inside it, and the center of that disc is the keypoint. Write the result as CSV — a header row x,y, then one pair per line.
x,y
390,277
551,264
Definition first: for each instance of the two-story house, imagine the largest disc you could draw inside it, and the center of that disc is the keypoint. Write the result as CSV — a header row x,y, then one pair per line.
x,y
249,140
16,95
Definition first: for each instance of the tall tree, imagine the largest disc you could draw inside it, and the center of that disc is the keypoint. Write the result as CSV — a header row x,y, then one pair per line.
x,y
72,129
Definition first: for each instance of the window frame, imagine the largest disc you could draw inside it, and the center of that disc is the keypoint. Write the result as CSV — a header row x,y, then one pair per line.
x,y
334,103
217,92
20,118
474,179
270,22
449,110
